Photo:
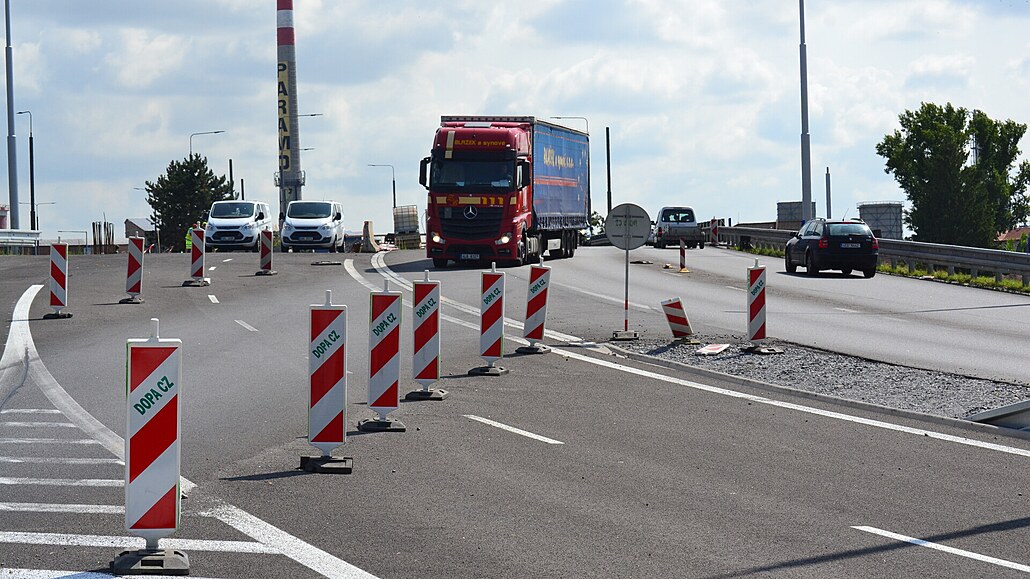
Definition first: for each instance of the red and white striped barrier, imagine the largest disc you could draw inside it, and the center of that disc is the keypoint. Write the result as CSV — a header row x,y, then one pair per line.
x,y
266,253
491,323
677,318
683,257
197,260
536,309
425,321
756,303
153,384
134,273
58,280
714,229
384,362
327,391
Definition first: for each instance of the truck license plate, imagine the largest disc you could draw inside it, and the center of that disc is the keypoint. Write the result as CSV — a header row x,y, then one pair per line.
x,y
851,245
470,256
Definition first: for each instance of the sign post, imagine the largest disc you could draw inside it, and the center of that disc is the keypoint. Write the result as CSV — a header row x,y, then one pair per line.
x,y
627,227
327,391
425,321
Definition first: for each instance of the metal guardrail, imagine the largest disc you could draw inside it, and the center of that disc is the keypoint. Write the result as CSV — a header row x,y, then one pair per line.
x,y
932,256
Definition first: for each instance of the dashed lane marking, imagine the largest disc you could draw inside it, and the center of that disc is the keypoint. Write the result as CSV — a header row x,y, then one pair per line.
x,y
53,574
519,431
117,542
246,326
38,424
212,268
735,288
63,508
47,441
59,460
226,260
61,482
213,299
946,549
30,411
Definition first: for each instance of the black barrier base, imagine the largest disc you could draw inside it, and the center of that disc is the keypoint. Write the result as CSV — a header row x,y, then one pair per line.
x,y
131,300
326,263
377,425
688,341
538,349
488,371
327,464
418,395
197,282
57,316
266,272
151,562
625,336
760,349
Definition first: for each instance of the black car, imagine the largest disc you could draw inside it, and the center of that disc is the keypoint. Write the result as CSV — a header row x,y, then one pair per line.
x,y
825,244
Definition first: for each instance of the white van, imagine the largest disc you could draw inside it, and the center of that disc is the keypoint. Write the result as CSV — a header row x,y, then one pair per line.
x,y
236,225
311,224
675,224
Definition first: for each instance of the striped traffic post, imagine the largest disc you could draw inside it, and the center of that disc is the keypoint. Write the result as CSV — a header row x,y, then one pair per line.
x,y
134,275
491,323
677,318
266,253
715,231
58,281
384,362
153,384
756,303
683,257
327,391
536,310
425,321
197,278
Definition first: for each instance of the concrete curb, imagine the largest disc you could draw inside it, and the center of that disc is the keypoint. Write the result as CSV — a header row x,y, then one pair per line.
x,y
846,402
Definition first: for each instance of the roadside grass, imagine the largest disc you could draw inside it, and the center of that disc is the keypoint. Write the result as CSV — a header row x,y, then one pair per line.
x,y
983,281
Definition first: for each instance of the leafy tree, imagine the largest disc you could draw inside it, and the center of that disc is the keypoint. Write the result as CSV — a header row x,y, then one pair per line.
x,y
182,196
955,198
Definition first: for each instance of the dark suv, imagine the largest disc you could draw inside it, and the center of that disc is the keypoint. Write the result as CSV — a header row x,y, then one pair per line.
x,y
826,244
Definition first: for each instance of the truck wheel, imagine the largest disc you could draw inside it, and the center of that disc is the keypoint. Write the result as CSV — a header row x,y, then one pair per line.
x,y
573,242
700,245
439,262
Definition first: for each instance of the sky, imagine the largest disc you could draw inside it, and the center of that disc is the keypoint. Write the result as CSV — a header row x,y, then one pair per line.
x,y
701,97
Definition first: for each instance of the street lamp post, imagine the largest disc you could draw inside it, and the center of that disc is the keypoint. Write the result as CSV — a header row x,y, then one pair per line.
x,y
201,133
393,175
33,223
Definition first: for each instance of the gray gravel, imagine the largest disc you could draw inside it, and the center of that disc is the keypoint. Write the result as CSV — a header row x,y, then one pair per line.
x,y
813,370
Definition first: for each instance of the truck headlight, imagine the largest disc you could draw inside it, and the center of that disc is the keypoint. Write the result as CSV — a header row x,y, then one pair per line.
x,y
504,239
436,238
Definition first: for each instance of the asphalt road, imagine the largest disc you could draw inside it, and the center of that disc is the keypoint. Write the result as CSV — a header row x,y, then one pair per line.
x,y
656,473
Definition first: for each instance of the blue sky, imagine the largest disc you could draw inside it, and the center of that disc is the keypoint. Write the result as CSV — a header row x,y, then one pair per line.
x,y
701,97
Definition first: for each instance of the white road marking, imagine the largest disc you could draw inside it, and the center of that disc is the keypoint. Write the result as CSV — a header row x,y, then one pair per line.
x,y
212,268
735,288
213,299
38,424
30,411
21,347
946,549
846,310
63,508
59,460
47,441
226,260
899,320
115,542
53,574
61,482
525,433
749,397
246,325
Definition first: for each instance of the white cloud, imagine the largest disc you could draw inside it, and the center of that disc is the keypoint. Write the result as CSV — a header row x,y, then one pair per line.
x,y
143,58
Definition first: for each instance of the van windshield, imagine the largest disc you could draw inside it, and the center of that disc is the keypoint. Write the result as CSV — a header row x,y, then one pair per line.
x,y
309,210
232,210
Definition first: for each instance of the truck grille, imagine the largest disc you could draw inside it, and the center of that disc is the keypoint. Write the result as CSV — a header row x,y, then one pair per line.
x,y
486,223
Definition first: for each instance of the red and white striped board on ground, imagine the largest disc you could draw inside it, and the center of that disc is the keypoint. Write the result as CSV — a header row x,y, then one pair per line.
x,y
536,303
756,303
134,274
678,322
384,331
327,367
266,251
491,321
58,276
197,254
153,384
425,320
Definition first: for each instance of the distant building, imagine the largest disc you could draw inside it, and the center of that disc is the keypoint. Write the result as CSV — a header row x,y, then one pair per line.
x,y
1014,234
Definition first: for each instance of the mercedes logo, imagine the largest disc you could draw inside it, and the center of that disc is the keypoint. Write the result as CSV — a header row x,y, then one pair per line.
x,y
470,212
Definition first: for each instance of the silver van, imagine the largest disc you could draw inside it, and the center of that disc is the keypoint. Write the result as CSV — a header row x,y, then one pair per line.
x,y
676,223
235,225
311,224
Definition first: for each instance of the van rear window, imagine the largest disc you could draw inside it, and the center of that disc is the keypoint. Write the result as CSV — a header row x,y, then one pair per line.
x,y
678,215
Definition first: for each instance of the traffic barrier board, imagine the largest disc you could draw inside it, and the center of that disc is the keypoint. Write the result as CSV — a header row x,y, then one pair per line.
x,y
327,386
58,281
266,253
134,272
677,318
384,331
756,303
491,322
197,260
536,309
425,322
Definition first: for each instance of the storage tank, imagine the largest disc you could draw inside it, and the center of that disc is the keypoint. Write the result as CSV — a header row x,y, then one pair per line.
x,y
883,217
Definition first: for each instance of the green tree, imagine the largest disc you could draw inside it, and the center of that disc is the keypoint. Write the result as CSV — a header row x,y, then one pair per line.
x,y
182,197
957,198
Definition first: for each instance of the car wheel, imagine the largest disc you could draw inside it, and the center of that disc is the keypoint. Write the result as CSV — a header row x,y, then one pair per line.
x,y
333,248
284,248
790,265
810,267
869,272
439,262
846,271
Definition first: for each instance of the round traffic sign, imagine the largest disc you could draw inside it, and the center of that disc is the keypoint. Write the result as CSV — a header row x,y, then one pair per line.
x,y
627,226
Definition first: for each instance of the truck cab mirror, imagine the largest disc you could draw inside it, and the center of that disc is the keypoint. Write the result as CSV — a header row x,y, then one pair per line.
x,y
423,173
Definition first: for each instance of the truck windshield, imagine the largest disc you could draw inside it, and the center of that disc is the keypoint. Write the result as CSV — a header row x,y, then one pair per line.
x,y
231,210
471,174
309,210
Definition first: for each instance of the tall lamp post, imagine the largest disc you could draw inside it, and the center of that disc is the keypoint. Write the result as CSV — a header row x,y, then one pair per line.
x,y
201,133
394,179
33,223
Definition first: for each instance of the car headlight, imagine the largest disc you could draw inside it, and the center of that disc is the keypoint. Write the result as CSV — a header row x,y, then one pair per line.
x,y
210,229
247,227
288,227
326,227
